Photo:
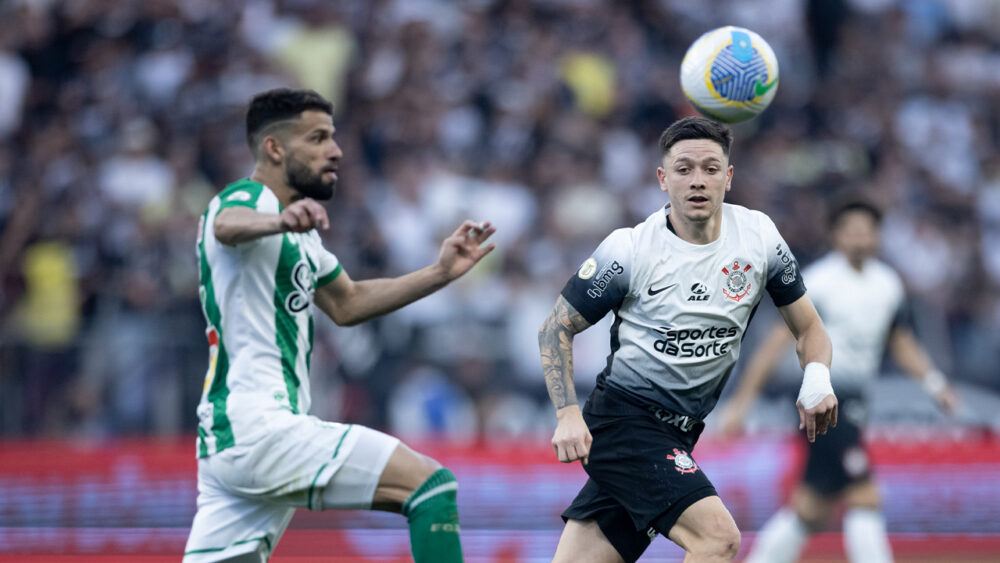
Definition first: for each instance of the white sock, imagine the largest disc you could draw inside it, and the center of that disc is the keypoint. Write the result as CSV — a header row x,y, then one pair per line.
x,y
865,537
780,540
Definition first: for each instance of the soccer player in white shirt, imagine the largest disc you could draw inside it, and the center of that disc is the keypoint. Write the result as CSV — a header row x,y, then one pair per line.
x,y
862,303
262,268
683,286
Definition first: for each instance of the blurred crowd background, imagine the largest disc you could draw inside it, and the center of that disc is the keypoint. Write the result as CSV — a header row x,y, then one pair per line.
x,y
119,120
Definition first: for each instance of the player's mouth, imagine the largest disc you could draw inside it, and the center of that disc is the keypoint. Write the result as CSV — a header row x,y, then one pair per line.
x,y
331,170
698,200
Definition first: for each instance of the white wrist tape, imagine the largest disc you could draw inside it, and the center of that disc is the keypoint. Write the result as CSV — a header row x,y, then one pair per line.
x,y
934,382
815,385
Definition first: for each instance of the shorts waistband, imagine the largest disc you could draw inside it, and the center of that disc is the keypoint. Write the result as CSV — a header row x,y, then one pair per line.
x,y
683,422
628,405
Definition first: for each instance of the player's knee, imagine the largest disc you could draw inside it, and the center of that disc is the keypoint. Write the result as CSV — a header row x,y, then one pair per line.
x,y
814,521
812,511
437,494
424,470
865,496
722,541
404,474
728,542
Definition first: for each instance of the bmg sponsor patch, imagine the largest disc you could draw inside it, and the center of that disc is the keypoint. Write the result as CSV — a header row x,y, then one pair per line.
x,y
604,278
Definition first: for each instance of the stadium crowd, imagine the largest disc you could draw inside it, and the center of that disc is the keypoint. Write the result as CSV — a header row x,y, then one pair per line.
x,y
120,120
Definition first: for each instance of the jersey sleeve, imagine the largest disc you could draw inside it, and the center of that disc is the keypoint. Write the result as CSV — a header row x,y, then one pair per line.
x,y
328,267
784,277
903,317
241,194
602,282
247,193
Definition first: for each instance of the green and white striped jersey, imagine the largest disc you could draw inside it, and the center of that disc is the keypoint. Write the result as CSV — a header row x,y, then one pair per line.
x,y
257,298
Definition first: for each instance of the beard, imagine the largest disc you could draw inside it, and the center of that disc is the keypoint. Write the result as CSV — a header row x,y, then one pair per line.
x,y
307,183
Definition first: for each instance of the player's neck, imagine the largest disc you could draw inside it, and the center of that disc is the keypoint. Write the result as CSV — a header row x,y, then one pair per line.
x,y
703,232
274,179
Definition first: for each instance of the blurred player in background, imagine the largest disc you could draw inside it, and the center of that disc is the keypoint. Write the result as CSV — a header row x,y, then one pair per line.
x,y
263,266
683,285
862,303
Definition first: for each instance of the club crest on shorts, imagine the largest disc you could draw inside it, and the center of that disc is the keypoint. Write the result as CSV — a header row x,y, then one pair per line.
x,y
683,462
737,280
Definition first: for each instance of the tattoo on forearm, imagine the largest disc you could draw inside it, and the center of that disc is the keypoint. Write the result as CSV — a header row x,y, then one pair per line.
x,y
555,340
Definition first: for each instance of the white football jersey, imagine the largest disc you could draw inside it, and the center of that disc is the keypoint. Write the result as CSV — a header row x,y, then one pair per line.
x,y
858,310
257,298
681,309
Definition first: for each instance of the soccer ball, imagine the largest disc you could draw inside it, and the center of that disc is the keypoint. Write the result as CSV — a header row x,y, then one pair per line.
x,y
730,74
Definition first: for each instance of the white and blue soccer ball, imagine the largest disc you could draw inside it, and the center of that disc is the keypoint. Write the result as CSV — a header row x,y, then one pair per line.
x,y
730,74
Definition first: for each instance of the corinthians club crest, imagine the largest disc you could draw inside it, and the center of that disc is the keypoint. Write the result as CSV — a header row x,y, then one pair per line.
x,y
737,280
683,462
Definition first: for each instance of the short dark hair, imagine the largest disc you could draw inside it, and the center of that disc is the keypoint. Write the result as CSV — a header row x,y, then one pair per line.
x,y
696,127
852,203
280,104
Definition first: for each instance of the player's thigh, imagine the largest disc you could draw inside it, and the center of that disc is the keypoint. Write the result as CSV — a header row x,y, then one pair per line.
x,y
706,523
583,541
232,528
357,481
290,464
863,494
403,474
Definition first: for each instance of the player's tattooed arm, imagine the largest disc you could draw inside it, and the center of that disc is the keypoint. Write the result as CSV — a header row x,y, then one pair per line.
x,y
555,341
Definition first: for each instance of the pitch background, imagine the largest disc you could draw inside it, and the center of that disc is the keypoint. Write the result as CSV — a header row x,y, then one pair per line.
x,y
136,499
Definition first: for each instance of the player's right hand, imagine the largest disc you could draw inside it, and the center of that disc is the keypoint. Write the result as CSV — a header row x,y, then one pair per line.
x,y
572,438
303,216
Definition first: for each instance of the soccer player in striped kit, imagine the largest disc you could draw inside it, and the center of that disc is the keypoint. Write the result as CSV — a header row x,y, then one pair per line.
x,y
683,285
262,269
862,303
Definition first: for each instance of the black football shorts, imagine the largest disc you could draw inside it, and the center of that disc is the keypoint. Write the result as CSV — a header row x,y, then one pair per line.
x,y
642,474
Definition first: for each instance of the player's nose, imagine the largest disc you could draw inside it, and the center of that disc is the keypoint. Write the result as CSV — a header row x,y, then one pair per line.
x,y
697,180
335,153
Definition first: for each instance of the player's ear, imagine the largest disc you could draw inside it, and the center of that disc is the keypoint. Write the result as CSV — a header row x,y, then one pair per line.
x,y
273,150
661,176
729,178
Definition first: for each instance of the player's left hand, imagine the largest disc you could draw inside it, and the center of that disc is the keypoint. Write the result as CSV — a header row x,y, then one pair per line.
x,y
463,249
819,418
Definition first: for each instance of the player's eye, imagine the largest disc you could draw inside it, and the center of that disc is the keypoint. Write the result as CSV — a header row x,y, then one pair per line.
x,y
681,170
712,170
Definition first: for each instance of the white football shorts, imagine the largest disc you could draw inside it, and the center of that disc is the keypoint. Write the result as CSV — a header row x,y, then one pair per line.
x,y
248,493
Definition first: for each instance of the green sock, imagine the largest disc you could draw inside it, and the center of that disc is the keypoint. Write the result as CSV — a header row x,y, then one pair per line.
x,y
433,516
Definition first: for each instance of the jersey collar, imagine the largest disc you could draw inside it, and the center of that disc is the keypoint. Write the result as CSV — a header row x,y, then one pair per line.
x,y
678,243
